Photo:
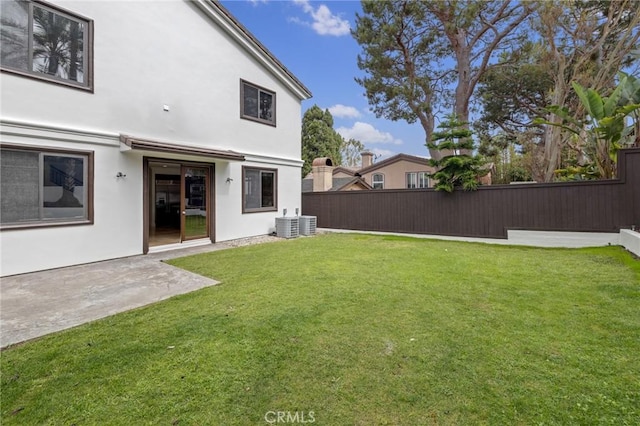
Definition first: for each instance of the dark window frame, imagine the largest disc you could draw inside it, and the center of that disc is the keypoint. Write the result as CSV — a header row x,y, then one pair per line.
x,y
46,223
260,90
273,208
88,84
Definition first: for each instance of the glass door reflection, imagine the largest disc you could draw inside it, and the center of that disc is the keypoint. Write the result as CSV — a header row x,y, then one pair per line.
x,y
195,214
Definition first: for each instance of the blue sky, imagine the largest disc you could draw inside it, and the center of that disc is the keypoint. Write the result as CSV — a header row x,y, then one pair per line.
x,y
313,40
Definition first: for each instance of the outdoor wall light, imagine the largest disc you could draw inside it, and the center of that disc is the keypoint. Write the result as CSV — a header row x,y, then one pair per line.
x,y
120,175
229,180
297,211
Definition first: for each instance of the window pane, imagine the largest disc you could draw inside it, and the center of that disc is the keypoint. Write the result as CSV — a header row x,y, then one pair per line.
x,y
14,34
412,179
377,181
58,43
252,193
268,189
266,106
250,101
19,174
259,189
423,180
63,187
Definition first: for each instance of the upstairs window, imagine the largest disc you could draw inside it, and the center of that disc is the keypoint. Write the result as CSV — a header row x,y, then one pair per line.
x,y
259,192
377,181
41,41
257,103
423,180
417,180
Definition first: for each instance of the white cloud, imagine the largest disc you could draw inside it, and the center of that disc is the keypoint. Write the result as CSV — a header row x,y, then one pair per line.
x,y
256,2
367,134
324,22
381,154
344,111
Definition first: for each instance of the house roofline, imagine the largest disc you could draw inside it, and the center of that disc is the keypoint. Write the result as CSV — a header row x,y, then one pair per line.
x,y
356,179
350,172
394,159
219,14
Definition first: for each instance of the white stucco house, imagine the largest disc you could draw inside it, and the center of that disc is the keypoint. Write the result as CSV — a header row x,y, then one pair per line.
x,y
128,126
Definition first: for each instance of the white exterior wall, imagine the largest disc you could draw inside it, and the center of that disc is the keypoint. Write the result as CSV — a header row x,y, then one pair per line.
x,y
117,227
151,54
147,55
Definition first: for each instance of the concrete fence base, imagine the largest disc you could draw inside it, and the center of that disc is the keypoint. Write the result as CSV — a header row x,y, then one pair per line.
x,y
630,240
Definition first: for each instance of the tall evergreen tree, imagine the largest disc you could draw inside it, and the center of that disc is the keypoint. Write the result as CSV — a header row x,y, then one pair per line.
x,y
319,139
459,168
407,46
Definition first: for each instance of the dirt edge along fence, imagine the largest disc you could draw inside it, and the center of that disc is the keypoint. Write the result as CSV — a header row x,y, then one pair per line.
x,y
585,206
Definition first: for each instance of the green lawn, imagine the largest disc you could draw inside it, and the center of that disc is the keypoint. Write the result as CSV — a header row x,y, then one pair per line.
x,y
355,330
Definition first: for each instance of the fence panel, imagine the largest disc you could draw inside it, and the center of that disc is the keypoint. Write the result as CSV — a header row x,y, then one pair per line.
x,y
591,206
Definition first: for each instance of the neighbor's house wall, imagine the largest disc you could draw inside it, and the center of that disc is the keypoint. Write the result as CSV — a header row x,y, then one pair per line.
x,y
395,173
147,56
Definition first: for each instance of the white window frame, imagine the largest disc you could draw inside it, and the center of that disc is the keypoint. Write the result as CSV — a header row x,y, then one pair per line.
x,y
377,183
411,180
417,180
423,179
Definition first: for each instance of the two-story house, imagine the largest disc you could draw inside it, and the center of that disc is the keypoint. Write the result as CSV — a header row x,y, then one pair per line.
x,y
129,126
401,171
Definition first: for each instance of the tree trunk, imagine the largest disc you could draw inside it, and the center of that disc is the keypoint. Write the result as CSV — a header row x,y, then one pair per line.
x,y
428,122
463,89
552,149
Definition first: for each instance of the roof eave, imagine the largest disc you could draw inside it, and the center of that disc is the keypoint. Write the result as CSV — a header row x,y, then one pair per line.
x,y
394,159
219,14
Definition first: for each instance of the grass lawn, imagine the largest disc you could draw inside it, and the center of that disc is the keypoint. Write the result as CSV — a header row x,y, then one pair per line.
x,y
354,330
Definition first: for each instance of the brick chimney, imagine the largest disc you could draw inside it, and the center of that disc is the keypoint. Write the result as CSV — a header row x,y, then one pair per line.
x,y
322,171
367,158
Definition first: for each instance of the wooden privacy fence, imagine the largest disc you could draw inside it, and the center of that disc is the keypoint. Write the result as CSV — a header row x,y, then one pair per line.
x,y
588,206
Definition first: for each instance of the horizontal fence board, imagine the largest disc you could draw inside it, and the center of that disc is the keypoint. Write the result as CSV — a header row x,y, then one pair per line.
x,y
590,206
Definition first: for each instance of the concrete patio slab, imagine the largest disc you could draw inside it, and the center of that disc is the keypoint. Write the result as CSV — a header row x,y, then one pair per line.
x,y
39,303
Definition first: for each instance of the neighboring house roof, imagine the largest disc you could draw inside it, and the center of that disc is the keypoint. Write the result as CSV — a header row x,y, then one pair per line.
x,y
394,159
338,183
219,14
353,177
351,171
341,184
